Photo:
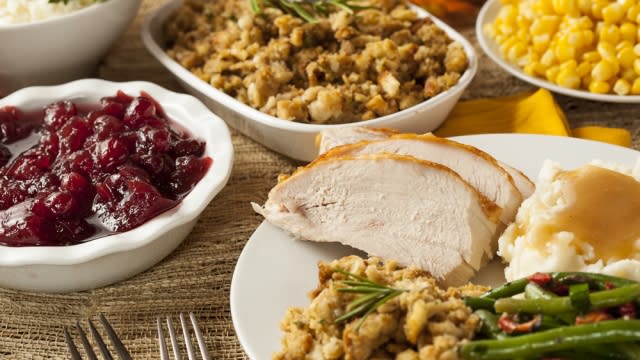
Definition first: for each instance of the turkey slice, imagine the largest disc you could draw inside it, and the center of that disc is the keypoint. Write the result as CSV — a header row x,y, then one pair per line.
x,y
331,138
389,205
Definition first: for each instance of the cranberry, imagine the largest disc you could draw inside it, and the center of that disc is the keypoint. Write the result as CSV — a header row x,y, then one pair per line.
x,y
27,167
189,170
126,203
13,192
19,227
152,141
111,153
56,114
61,204
113,108
188,147
71,231
106,126
139,108
73,134
13,127
50,144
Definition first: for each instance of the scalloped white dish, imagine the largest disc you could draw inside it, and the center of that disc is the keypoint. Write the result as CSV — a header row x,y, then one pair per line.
x,y
296,140
487,15
112,258
280,271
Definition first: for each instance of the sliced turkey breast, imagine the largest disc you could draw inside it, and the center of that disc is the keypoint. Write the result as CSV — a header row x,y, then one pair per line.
x,y
330,138
392,206
333,137
478,168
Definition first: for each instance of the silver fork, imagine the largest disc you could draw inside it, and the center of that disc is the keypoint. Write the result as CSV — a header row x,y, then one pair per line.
x,y
117,344
164,355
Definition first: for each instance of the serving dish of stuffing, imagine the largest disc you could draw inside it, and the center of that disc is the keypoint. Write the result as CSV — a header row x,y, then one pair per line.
x,y
281,74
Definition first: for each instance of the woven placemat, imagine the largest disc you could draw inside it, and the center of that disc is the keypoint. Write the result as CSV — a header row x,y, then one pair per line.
x,y
197,276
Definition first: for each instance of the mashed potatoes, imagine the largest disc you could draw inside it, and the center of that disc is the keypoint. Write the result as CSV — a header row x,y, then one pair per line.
x,y
26,11
586,219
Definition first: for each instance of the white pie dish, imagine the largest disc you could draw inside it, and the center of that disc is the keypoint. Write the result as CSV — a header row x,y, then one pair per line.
x,y
487,15
296,140
116,257
61,48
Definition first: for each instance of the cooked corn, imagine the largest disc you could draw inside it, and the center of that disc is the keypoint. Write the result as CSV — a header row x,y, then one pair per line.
x,y
579,44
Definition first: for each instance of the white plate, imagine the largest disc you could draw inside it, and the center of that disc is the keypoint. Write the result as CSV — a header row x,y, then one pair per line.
x,y
487,15
275,272
293,139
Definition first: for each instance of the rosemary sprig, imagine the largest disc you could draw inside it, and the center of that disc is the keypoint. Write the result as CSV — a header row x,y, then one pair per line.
x,y
308,10
373,296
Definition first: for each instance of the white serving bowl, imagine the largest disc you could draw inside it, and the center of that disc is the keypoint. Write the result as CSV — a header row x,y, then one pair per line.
x,y
297,140
488,15
62,48
116,257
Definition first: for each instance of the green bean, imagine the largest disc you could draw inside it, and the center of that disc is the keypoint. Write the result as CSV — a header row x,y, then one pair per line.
x,y
630,349
533,291
600,279
476,303
579,295
507,289
554,340
490,326
559,305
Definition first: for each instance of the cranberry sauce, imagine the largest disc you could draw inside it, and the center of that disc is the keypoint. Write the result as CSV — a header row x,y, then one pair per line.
x,y
106,170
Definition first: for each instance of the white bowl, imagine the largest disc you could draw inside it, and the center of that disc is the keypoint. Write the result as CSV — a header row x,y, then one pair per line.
x,y
297,140
62,48
487,15
115,257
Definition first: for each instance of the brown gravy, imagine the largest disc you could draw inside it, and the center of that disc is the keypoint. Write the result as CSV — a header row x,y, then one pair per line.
x,y
603,210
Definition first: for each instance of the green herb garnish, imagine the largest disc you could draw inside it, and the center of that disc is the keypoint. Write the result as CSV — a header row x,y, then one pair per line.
x,y
373,296
308,10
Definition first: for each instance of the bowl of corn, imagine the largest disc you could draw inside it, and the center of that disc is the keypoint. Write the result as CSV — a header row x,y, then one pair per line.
x,y
582,48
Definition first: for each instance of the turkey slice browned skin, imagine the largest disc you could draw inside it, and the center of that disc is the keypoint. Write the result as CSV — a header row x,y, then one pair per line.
x,y
388,205
330,138
478,168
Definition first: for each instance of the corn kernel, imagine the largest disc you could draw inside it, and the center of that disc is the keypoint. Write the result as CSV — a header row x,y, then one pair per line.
x,y
626,4
613,13
583,69
621,87
628,31
603,71
609,33
540,43
606,50
568,79
543,7
586,81
584,6
545,25
629,75
636,66
596,9
624,44
635,88
552,73
599,87
588,37
636,50
516,51
563,51
626,57
564,7
632,12
534,68
548,58
591,56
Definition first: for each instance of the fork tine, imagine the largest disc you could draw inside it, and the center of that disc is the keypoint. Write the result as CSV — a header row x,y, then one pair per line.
x,y
117,343
85,343
187,339
174,340
201,343
75,355
99,341
164,355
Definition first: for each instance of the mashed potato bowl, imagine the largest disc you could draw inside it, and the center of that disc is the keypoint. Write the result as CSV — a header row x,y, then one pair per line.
x,y
61,48
296,140
112,258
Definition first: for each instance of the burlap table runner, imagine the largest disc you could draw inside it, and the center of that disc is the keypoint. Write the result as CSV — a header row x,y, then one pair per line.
x,y
197,276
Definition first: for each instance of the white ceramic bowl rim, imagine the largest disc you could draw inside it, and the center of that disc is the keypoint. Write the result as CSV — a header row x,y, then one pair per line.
x,y
487,14
87,10
273,121
218,145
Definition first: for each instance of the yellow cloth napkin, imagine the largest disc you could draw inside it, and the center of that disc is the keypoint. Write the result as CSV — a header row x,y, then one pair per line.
x,y
532,113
